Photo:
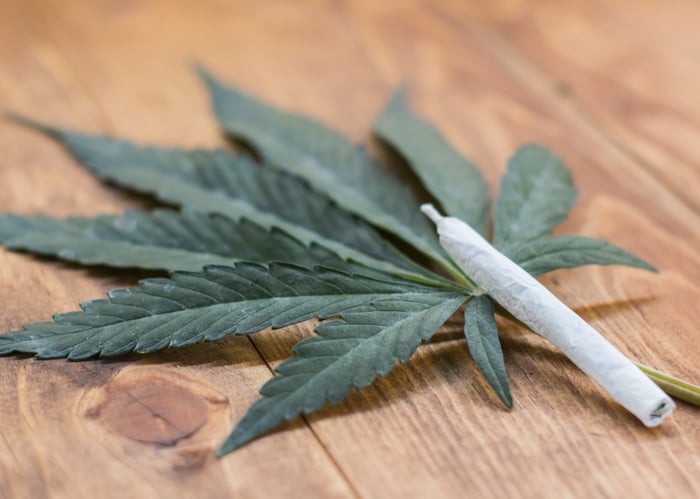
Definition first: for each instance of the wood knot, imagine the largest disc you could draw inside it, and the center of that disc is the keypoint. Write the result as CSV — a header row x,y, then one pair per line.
x,y
155,405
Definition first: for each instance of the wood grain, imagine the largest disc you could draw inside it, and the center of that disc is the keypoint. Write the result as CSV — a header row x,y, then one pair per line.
x,y
631,68
430,428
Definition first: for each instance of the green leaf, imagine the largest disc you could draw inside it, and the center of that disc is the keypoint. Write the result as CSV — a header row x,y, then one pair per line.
x,y
454,181
351,352
218,181
164,240
329,162
203,306
536,195
564,252
482,337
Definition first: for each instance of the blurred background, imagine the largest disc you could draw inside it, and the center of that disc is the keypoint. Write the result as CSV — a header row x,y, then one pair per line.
x,y
628,68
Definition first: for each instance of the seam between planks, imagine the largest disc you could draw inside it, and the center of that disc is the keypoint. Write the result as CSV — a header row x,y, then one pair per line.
x,y
303,417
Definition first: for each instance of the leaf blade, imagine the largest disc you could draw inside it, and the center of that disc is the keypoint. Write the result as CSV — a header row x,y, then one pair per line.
x,y
453,180
328,161
481,332
203,306
350,352
162,240
565,252
217,181
537,193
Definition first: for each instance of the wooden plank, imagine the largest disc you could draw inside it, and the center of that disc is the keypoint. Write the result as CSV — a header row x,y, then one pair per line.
x,y
431,427
147,427
630,67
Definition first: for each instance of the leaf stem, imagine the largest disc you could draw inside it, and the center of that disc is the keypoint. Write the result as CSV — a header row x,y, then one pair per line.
x,y
436,280
460,276
426,276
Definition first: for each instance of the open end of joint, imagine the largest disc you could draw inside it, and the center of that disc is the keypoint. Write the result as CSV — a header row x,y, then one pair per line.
x,y
660,411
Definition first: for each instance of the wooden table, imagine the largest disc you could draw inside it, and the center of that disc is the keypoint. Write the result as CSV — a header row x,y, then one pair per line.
x,y
611,86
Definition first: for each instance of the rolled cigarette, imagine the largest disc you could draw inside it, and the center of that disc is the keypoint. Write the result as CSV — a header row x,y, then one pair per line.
x,y
530,302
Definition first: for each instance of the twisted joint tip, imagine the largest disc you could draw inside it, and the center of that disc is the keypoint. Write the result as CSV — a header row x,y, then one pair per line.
x,y
429,210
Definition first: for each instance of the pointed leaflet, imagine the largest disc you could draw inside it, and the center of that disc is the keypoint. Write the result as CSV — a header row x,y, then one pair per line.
x,y
347,353
536,195
564,252
482,337
191,307
165,240
455,182
328,161
218,181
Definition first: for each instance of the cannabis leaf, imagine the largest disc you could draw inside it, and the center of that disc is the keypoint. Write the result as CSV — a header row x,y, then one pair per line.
x,y
329,162
209,305
351,352
218,181
536,195
448,176
481,332
293,239
163,240
564,252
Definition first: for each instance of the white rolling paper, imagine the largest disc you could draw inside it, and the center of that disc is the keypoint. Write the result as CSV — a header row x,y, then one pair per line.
x,y
530,302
